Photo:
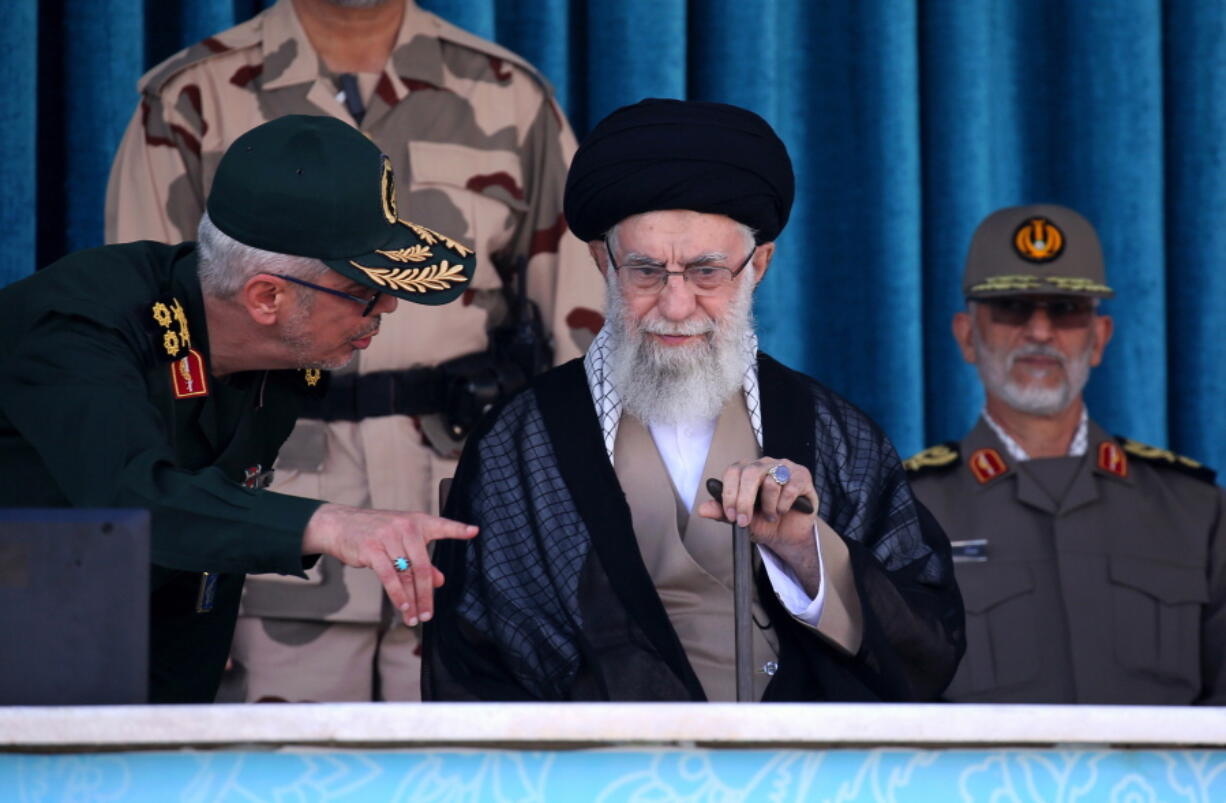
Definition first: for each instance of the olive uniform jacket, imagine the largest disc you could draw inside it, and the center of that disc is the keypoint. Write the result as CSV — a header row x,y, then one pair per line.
x,y
479,147
1095,579
106,401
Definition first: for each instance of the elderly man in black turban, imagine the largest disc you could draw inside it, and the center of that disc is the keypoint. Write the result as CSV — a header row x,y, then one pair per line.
x,y
604,568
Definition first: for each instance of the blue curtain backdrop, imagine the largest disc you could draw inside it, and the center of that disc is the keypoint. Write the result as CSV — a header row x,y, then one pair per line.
x,y
908,122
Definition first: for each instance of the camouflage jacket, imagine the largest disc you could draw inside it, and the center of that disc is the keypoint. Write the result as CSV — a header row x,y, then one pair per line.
x,y
480,150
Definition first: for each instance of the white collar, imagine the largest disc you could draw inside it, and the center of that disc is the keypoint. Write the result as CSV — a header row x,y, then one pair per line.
x,y
1076,448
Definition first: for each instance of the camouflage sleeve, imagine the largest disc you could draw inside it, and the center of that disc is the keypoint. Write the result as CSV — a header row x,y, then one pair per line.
x,y
155,191
562,279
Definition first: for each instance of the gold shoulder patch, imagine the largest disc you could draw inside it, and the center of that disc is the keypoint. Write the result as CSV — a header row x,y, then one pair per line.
x,y
1152,454
939,456
172,336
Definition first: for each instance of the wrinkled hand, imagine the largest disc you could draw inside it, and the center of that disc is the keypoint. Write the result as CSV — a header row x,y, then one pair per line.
x,y
788,533
375,539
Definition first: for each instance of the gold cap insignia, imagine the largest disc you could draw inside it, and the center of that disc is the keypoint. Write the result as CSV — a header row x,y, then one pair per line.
x,y
414,253
430,237
388,190
416,280
312,376
1038,240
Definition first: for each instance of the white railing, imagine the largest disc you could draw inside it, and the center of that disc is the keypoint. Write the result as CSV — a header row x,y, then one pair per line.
x,y
531,726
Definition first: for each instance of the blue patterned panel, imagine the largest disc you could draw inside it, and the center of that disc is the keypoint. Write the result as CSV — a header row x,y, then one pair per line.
x,y
617,776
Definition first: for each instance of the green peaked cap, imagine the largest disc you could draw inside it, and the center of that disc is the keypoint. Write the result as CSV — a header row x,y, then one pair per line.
x,y
316,187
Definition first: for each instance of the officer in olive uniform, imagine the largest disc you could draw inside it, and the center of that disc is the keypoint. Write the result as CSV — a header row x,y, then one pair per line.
x,y
162,377
1093,568
480,149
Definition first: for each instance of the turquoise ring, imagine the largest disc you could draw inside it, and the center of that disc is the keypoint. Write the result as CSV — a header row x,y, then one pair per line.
x,y
402,564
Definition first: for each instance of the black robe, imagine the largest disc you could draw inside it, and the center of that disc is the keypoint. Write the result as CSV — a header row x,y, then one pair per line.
x,y
552,600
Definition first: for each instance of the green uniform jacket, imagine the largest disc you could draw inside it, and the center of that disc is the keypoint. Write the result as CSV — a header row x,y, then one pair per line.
x,y
89,418
1111,592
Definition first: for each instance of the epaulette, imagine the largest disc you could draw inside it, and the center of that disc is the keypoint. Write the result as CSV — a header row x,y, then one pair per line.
x,y
1165,457
244,35
459,36
942,456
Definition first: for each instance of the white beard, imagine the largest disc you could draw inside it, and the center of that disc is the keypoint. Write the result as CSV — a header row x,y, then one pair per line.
x,y
675,384
995,370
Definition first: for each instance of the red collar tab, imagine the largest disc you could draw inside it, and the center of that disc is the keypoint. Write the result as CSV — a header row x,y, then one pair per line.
x,y
1111,458
987,465
189,377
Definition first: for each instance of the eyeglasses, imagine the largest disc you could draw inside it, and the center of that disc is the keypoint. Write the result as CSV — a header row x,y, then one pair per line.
x,y
1064,313
649,279
368,304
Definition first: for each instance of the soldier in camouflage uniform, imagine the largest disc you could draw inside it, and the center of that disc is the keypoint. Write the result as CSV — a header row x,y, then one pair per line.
x,y
480,150
1093,567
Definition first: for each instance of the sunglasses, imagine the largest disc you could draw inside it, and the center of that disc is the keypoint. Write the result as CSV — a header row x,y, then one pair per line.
x,y
1064,313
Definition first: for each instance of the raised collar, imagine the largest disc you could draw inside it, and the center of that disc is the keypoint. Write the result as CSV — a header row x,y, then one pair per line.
x,y
1076,447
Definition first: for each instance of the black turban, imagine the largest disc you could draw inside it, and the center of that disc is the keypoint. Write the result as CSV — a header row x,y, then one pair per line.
x,y
680,154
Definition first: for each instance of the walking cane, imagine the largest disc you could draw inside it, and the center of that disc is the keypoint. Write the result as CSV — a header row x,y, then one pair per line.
x,y
742,595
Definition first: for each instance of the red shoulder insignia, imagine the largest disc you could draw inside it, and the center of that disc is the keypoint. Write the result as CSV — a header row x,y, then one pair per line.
x,y
1111,458
188,376
987,465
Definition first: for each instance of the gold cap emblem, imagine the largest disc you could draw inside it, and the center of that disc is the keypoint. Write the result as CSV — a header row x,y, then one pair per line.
x,y
388,189
1038,240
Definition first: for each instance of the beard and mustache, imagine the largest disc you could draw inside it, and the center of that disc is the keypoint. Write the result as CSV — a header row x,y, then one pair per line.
x,y
298,338
996,371
674,384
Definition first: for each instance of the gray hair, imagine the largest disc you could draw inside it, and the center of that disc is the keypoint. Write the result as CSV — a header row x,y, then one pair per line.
x,y
225,264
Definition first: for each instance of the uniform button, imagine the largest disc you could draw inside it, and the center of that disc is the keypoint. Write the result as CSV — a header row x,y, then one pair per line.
x,y
770,667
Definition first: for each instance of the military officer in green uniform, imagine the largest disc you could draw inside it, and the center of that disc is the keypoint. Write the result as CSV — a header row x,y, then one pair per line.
x,y
1093,568
166,377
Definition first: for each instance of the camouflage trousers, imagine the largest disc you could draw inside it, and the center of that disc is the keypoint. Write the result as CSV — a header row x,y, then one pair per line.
x,y
288,660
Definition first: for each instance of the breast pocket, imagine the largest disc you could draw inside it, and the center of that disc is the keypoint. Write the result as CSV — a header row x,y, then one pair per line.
x,y
474,195
1157,611
1001,637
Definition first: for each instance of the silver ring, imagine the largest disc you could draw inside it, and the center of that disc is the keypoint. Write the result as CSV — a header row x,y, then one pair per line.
x,y
780,473
402,564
